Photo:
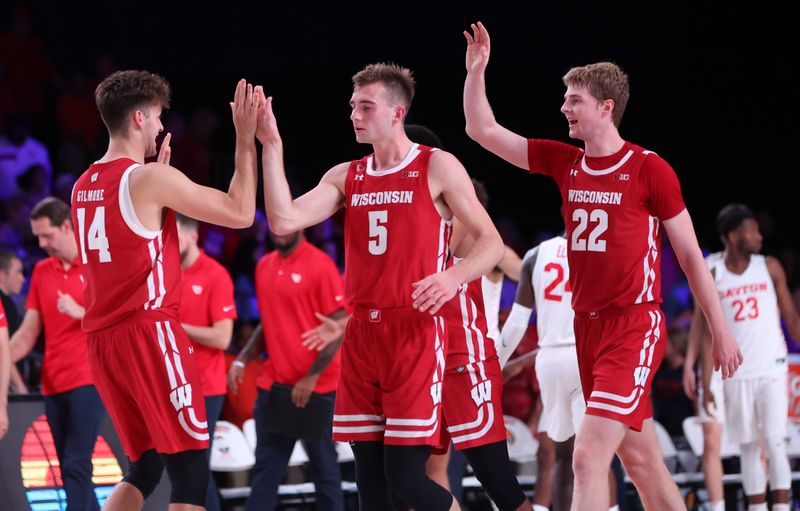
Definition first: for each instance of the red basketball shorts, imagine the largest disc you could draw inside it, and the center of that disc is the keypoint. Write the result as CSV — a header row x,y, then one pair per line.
x,y
619,352
145,374
390,384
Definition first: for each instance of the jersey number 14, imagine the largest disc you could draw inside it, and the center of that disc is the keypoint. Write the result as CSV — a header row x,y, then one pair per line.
x,y
96,238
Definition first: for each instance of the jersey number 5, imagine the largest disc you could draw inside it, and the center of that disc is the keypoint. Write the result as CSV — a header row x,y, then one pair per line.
x,y
97,239
583,217
378,232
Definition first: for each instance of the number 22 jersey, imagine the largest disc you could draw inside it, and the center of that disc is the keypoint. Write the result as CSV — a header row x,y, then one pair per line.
x,y
394,235
128,267
613,209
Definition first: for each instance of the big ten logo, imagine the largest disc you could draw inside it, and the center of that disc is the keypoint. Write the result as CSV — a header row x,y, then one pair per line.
x,y
794,393
561,251
482,392
181,397
436,393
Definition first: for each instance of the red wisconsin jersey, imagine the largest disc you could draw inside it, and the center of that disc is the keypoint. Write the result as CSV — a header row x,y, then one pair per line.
x,y
394,235
613,208
128,268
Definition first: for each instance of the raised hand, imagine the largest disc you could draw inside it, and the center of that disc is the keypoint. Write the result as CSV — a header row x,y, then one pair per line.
x,y
245,107
165,151
478,48
267,131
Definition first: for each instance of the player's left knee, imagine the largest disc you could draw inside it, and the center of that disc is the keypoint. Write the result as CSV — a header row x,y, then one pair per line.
x,y
188,474
780,473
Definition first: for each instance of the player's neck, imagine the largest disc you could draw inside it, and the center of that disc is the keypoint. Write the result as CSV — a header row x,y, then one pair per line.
x,y
119,147
192,254
735,261
604,143
390,152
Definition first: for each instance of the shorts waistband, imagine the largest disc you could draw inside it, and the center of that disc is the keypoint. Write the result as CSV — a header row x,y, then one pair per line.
x,y
137,318
612,312
378,315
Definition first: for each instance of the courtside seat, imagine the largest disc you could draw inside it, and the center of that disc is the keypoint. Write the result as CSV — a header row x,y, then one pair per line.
x,y
522,446
230,452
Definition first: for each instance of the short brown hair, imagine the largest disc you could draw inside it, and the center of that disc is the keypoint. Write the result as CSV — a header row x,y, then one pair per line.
x,y
124,91
398,81
52,208
604,80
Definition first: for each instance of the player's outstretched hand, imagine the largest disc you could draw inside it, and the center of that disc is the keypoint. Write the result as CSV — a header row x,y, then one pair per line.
x,y
478,48
434,291
245,106
323,334
727,355
267,131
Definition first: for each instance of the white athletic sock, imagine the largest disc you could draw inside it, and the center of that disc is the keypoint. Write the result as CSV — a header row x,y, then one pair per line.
x,y
716,506
780,507
757,507
539,507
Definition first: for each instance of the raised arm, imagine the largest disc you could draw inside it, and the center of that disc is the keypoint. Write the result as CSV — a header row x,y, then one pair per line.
x,y
481,126
450,179
727,355
517,322
287,215
157,185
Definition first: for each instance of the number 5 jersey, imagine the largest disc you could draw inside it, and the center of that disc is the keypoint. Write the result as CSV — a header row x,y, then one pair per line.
x,y
394,235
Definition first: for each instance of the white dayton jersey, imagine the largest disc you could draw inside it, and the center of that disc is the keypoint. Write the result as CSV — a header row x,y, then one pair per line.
x,y
491,303
751,308
553,295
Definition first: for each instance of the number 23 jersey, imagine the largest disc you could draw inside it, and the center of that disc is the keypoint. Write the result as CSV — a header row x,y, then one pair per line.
x,y
394,235
613,207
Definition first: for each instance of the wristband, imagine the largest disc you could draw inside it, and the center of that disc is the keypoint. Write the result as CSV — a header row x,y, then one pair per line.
x,y
238,363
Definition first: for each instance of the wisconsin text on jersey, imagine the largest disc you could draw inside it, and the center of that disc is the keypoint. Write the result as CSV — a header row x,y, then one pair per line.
x,y
389,197
741,290
90,195
593,197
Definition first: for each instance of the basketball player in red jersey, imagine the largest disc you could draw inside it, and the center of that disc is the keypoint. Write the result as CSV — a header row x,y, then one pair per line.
x,y
616,196
124,217
400,203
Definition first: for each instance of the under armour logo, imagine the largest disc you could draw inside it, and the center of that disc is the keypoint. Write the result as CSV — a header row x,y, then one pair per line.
x,y
359,177
573,172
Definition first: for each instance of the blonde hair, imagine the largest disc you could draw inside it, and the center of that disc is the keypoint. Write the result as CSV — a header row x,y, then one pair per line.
x,y
603,80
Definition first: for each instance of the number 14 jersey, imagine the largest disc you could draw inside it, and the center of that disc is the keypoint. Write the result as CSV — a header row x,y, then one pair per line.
x,y
613,207
128,268
394,235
